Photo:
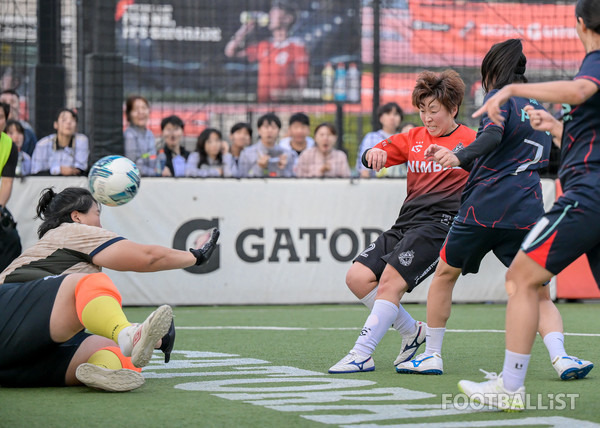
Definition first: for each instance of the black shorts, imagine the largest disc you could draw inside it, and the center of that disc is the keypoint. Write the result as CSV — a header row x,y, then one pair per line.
x,y
466,245
413,252
563,234
28,356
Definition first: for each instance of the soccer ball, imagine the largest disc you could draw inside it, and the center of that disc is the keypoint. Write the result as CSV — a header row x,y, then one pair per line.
x,y
114,180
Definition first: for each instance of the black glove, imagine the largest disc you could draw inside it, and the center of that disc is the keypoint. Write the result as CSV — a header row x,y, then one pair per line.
x,y
203,253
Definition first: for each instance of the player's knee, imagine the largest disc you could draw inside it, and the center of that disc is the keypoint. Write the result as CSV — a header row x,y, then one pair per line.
x,y
517,281
392,285
354,279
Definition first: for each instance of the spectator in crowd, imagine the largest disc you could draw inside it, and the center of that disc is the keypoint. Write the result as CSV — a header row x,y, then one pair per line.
x,y
390,116
16,132
11,97
207,160
324,160
266,158
10,242
282,59
140,145
63,153
241,137
298,134
175,155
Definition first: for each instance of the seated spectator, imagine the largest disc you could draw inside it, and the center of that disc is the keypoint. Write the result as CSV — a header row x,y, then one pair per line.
x,y
266,158
11,97
207,160
241,137
323,160
175,154
298,138
63,153
140,144
16,132
390,116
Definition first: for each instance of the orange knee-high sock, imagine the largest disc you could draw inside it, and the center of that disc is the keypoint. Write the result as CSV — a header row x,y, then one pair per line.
x,y
98,304
112,358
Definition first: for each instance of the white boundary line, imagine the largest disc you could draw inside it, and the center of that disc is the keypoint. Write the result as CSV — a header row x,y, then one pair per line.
x,y
275,328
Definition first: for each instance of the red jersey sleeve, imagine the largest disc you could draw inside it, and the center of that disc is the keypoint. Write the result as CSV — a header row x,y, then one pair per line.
x,y
397,147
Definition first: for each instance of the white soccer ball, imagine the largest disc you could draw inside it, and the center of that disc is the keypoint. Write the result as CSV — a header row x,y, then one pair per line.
x,y
114,180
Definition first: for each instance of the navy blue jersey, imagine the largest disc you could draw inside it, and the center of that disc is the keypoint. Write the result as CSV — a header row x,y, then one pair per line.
x,y
503,189
580,147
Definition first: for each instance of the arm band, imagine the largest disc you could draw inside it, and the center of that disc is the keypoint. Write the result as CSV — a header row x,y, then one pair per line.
x,y
363,159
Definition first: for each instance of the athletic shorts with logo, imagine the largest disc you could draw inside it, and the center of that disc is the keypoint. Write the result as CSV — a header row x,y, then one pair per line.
x,y
28,355
467,244
564,233
412,252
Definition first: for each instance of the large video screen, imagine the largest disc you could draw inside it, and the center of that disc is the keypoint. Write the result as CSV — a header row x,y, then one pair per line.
x,y
241,51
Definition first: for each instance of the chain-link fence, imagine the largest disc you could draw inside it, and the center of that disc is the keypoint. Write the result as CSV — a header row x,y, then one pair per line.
x,y
218,62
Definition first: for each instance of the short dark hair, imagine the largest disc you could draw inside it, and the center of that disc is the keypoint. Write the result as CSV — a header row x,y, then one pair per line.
x,y
299,118
6,108
241,125
10,91
16,124
173,120
68,110
269,118
388,108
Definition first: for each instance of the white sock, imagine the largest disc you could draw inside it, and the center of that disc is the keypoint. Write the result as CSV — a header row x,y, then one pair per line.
x,y
404,322
515,369
369,299
555,343
380,320
124,341
434,339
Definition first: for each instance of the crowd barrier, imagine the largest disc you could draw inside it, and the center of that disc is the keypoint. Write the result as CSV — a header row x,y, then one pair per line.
x,y
283,241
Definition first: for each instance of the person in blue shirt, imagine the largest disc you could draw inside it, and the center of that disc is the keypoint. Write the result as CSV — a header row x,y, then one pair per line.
x,y
389,116
570,228
500,204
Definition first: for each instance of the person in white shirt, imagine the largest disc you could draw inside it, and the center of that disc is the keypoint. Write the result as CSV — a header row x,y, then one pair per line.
x,y
63,153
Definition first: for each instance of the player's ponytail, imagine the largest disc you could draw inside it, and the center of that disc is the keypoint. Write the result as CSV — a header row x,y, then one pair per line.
x,y
55,209
588,11
504,64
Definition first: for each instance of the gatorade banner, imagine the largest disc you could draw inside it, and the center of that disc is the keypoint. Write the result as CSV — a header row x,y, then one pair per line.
x,y
283,241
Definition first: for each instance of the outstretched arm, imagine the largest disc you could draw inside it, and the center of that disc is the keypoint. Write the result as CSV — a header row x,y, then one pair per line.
x,y
125,255
572,92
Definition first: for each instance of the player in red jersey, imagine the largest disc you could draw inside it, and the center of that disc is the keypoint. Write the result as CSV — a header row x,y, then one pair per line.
x,y
403,256
570,228
282,60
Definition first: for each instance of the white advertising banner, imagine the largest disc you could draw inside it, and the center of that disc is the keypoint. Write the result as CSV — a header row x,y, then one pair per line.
x,y
283,241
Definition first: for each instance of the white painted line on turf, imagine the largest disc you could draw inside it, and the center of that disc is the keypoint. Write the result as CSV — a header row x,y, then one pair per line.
x,y
274,328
